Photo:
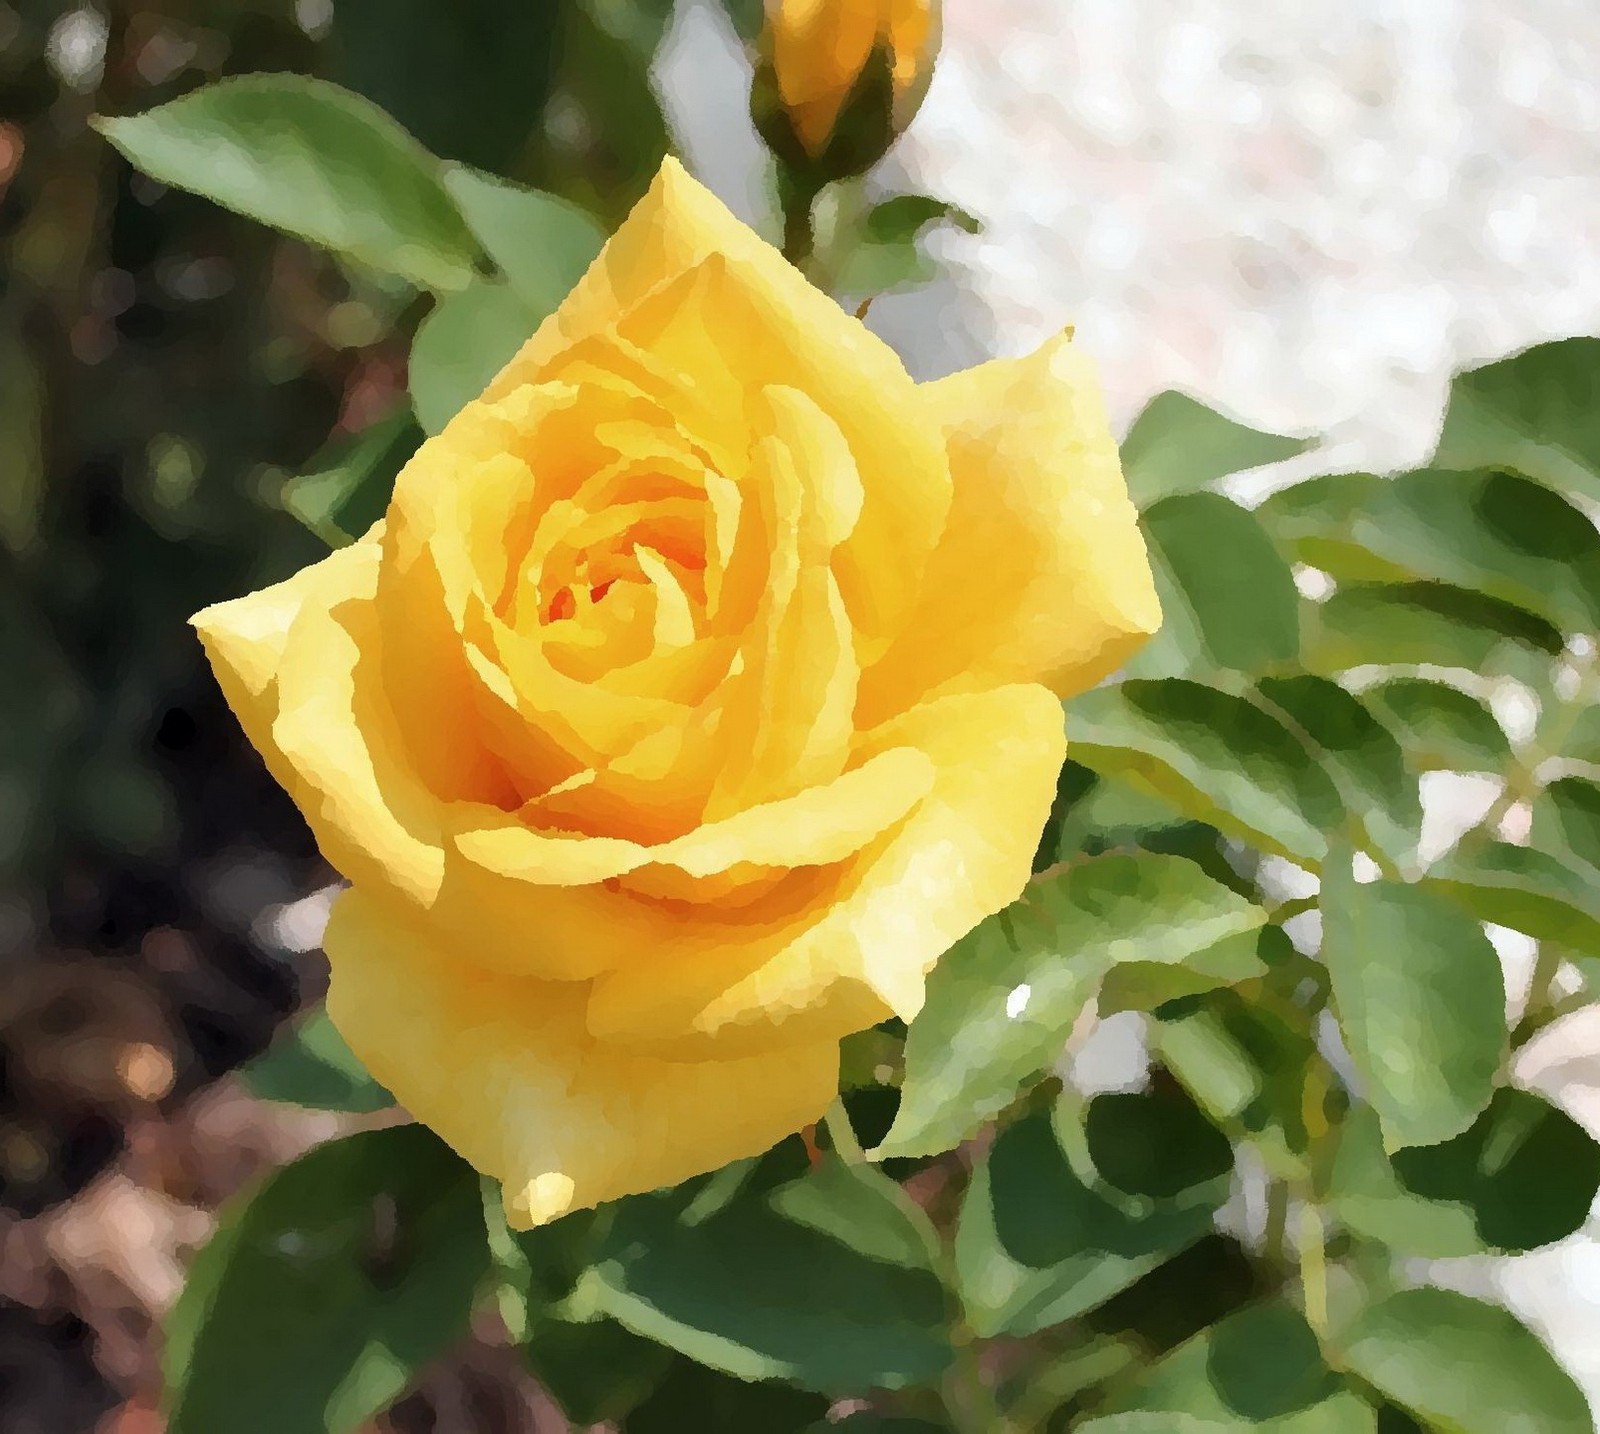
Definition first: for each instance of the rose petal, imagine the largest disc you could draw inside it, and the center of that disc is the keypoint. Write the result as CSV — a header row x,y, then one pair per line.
x,y
862,951
505,1072
1042,574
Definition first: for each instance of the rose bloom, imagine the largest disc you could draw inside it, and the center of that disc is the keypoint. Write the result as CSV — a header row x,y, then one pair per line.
x,y
698,689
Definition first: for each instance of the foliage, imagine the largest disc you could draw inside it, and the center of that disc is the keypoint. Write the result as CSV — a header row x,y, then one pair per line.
x,y
1011,1255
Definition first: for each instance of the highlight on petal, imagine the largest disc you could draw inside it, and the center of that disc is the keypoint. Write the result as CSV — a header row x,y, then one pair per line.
x,y
1042,575
507,1073
861,952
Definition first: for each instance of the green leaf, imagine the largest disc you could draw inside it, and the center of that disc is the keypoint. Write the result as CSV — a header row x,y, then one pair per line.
x,y
1411,624
327,1288
1492,533
1242,614
1438,726
1582,740
1462,1366
1523,1175
1245,1061
1566,823
1001,1002
878,251
1534,412
1358,752
1214,756
541,243
348,488
1420,999
461,345
1144,985
311,1065
312,159
692,1399
1260,1366
1523,888
1036,1244
754,1292
1178,445
1154,1145
596,1370
866,1421
863,1210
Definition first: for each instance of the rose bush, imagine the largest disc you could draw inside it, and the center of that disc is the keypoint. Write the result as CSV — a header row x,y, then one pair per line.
x,y
698,689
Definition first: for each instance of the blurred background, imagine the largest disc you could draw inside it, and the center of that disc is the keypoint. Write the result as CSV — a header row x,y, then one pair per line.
x,y
1310,222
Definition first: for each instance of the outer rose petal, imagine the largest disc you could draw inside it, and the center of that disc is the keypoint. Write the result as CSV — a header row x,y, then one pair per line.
x,y
1041,518
963,853
770,326
505,1071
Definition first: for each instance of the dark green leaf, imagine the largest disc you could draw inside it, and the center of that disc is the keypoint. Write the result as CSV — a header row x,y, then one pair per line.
x,y
1439,726
1238,611
462,344
311,1065
1537,412
1492,533
1036,1244
348,487
1003,1000
1523,1175
1262,1363
327,1288
1358,752
1462,1366
597,1371
754,1292
695,1400
1566,823
1178,445
310,158
1525,889
1155,1145
1214,756
541,243
1420,999
471,80
1409,624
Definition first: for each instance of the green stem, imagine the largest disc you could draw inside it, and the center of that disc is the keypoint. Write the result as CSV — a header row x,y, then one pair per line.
x,y
843,1134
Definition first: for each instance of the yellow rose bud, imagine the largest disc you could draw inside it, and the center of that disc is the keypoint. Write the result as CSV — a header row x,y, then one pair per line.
x,y
698,689
819,51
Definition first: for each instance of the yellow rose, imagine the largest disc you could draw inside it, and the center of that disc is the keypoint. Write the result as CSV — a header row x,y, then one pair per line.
x,y
819,48
696,692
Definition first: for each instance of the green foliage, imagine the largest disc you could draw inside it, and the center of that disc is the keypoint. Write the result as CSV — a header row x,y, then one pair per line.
x,y
1005,997
325,1290
1228,599
1460,1365
1178,445
1427,1033
312,159
311,1065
